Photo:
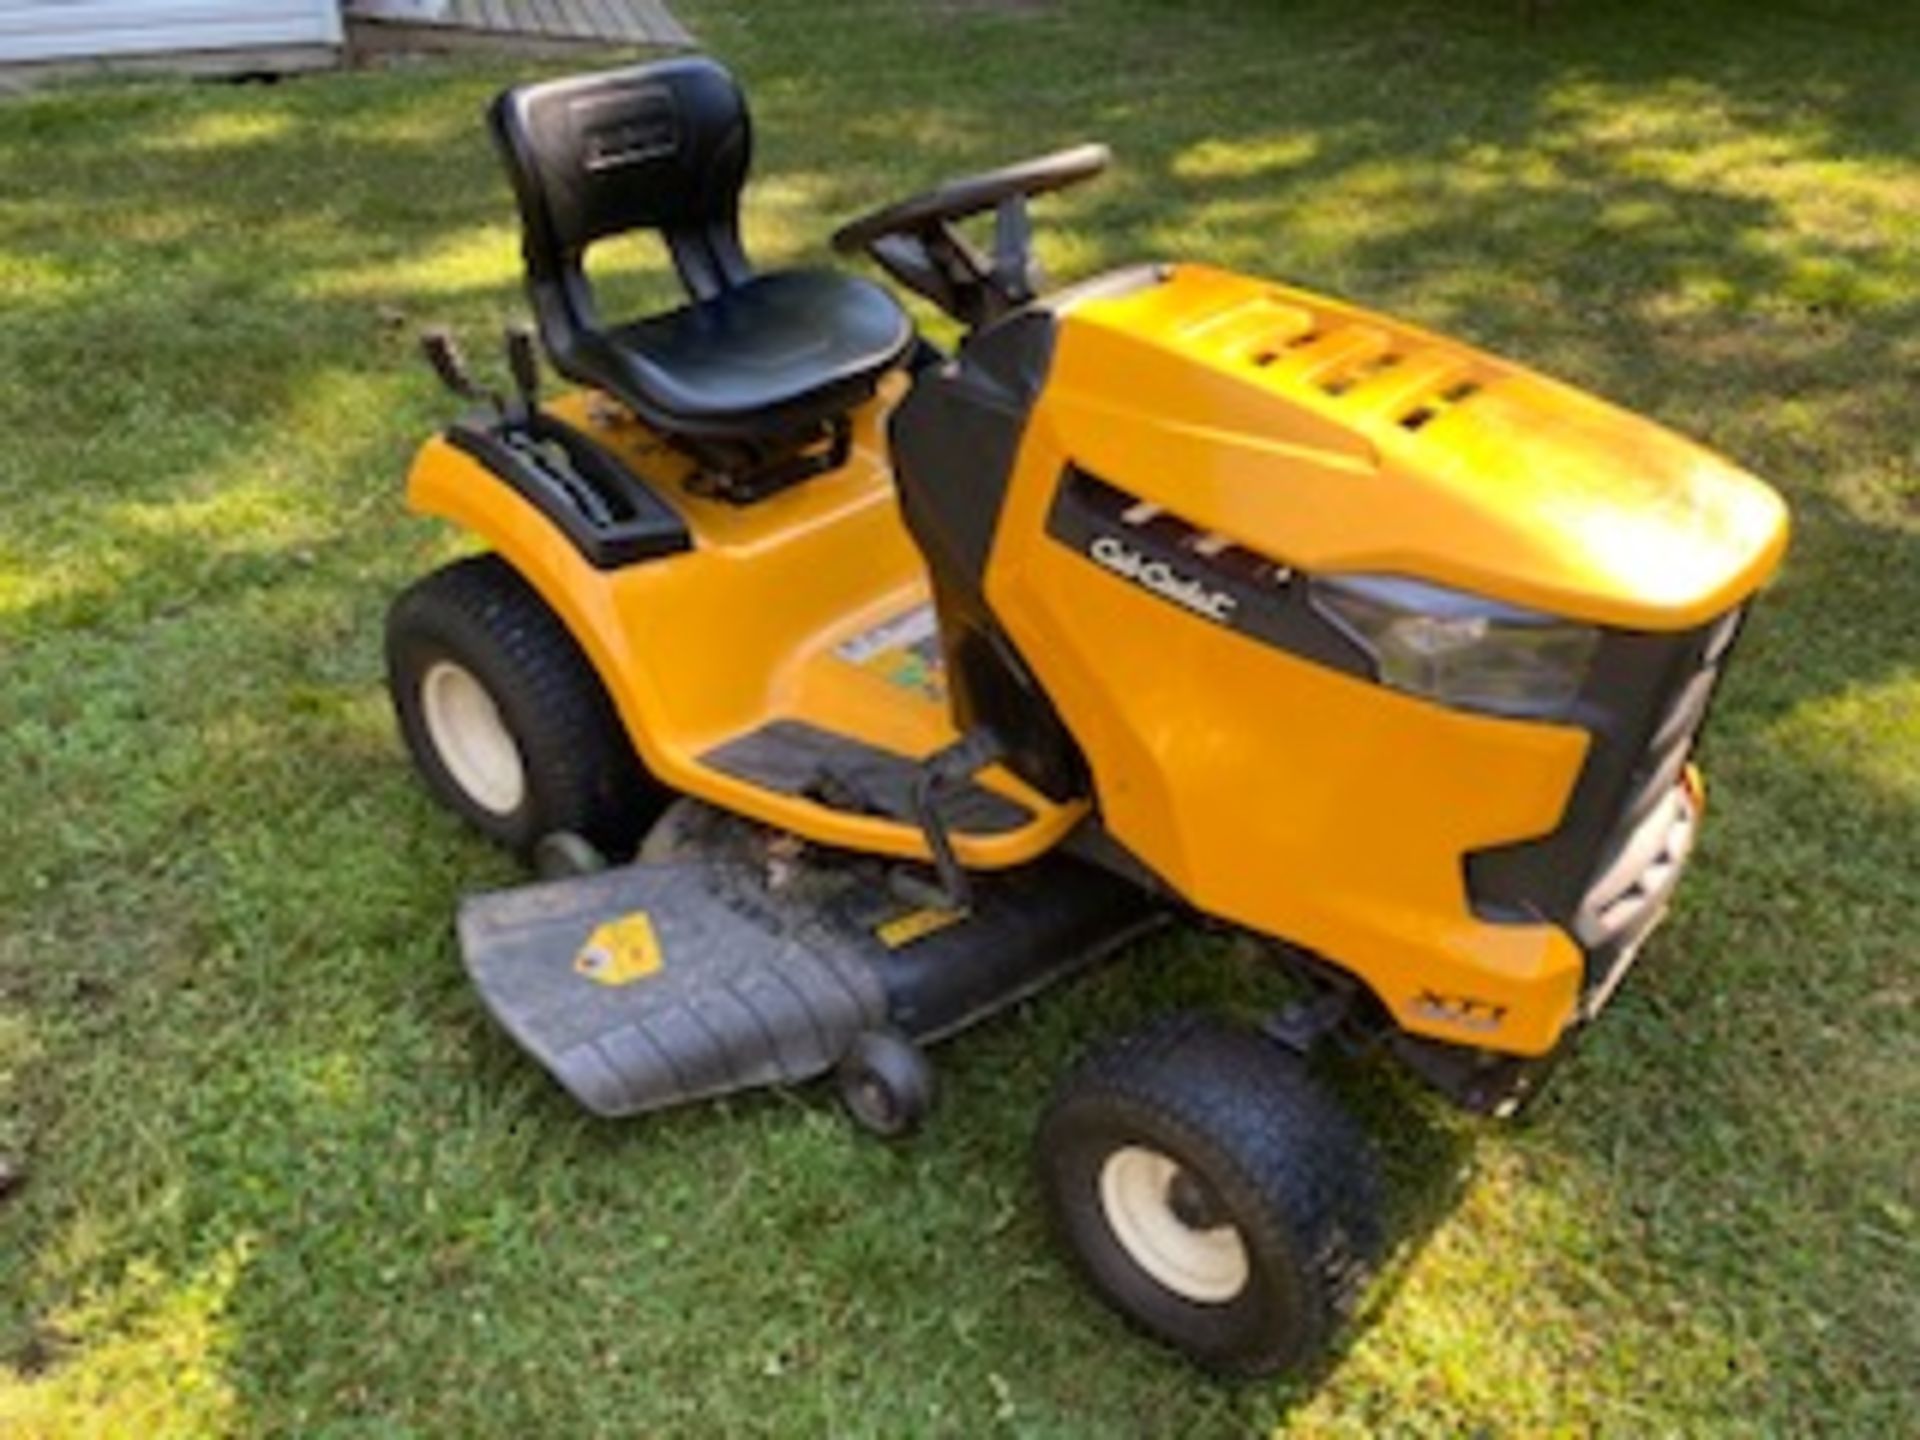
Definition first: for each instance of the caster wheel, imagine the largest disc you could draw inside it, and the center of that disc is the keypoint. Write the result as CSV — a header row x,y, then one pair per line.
x,y
886,1084
563,855
1212,1193
690,829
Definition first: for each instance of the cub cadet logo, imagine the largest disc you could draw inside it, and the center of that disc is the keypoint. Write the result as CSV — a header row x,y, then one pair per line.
x,y
1162,579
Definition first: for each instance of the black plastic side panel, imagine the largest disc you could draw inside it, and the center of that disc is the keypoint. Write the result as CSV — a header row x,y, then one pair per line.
x,y
1029,928
957,433
611,515
992,688
955,439
1232,586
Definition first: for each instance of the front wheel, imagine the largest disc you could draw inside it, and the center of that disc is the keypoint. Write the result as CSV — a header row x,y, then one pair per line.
x,y
504,716
1212,1193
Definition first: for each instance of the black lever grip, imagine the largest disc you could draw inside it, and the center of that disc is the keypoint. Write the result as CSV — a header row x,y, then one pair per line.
x,y
443,354
523,361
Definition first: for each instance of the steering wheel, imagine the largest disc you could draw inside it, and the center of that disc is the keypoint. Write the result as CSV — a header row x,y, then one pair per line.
x,y
915,240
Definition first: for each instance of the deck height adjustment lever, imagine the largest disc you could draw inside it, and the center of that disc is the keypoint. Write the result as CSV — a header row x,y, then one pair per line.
x,y
942,772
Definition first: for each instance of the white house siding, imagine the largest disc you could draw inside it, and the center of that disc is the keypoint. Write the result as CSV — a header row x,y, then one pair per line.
x,y
32,30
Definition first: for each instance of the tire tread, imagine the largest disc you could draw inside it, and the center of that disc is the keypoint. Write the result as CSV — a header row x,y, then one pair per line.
x,y
582,773
1232,1093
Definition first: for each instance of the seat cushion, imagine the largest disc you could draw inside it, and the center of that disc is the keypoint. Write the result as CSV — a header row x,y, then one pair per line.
x,y
785,348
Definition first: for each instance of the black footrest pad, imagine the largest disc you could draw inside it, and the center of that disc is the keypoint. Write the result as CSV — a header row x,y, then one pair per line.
x,y
796,758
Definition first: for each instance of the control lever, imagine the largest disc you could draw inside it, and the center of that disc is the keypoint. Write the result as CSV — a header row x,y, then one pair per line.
x,y
538,449
1016,269
941,772
443,354
524,363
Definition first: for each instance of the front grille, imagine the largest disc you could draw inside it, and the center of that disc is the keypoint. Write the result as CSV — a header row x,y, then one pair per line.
x,y
1606,870
1630,894
1676,727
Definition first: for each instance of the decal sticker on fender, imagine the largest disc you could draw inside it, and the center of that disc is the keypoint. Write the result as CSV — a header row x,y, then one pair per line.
x,y
902,632
903,651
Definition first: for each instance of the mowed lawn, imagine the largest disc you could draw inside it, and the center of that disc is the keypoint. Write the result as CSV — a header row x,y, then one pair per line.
x,y
283,1177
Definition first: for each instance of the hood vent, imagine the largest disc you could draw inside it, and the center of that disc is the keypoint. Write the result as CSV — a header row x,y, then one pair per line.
x,y
1427,410
1347,376
1379,373
1264,355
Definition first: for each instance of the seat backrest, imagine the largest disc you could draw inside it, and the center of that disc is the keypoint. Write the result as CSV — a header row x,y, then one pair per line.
x,y
651,147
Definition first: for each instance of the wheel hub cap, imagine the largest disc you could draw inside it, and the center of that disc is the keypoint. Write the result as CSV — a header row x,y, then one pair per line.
x,y
471,739
1148,1198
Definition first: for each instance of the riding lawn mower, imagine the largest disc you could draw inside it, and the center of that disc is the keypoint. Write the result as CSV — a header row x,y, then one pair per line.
x,y
848,690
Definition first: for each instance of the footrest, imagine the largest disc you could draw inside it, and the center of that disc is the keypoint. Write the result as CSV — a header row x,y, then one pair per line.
x,y
796,758
641,987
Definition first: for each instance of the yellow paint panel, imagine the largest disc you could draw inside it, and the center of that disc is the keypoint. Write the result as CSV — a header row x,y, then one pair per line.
x,y
1299,446
747,627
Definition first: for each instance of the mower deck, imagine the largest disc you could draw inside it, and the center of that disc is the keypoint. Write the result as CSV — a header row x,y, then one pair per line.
x,y
753,962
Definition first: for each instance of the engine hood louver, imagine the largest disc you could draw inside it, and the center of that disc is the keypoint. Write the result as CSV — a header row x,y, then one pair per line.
x,y
1374,373
1348,440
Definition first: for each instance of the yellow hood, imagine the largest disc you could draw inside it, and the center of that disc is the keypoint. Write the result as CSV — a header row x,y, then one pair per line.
x,y
1335,440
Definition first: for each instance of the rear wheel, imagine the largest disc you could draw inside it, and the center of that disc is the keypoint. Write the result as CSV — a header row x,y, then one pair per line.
x,y
505,718
1212,1193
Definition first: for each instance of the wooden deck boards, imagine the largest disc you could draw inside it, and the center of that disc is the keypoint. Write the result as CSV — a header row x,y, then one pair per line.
x,y
466,23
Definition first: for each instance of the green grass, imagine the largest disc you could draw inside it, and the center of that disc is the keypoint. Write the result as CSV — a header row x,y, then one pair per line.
x,y
286,1179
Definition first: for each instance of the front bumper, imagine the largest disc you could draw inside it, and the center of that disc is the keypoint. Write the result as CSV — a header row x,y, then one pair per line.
x,y
1621,909
1627,901
1607,872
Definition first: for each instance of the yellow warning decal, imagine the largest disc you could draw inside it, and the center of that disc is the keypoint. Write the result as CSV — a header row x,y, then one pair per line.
x,y
620,951
903,930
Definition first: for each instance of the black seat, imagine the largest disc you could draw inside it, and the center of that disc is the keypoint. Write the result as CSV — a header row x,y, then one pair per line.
x,y
764,359
808,342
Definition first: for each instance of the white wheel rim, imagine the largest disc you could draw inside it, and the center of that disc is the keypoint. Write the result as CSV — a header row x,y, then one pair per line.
x,y
1207,1267
471,739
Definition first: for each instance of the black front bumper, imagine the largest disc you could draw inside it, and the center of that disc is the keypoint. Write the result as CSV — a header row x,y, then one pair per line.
x,y
1622,906
1606,873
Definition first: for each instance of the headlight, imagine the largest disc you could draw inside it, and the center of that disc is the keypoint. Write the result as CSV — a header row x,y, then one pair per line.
x,y
1459,648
